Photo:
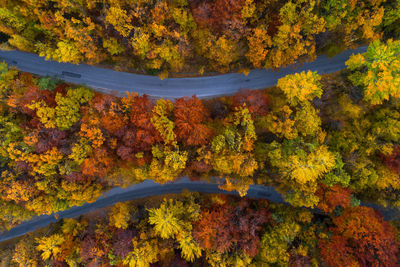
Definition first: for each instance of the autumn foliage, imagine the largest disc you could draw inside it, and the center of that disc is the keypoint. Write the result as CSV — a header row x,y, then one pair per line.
x,y
361,238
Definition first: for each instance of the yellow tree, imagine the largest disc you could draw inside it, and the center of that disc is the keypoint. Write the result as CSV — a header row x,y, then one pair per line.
x,y
232,155
143,254
119,215
50,246
300,87
377,71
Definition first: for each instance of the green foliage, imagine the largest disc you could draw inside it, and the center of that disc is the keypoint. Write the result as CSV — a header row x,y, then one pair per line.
x,y
48,83
377,71
67,111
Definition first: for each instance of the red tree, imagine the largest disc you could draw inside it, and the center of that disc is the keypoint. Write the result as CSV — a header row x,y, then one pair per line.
x,y
220,15
225,227
332,197
392,161
140,116
99,163
361,235
189,114
255,100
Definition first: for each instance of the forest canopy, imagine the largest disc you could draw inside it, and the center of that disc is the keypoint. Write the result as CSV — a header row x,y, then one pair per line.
x,y
319,140
191,35
211,230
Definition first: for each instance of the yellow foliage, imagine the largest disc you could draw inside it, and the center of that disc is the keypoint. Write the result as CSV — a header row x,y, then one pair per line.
x,y
162,123
300,87
50,246
119,215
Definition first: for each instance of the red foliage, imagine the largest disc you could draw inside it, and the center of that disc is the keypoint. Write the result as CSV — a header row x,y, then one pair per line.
x,y
199,166
102,102
297,260
255,100
393,160
99,163
94,248
361,235
77,177
33,94
122,242
332,197
189,114
125,152
49,138
225,227
140,117
220,15
335,252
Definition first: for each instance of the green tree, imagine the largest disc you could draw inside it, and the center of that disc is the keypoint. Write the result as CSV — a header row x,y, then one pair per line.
x,y
377,71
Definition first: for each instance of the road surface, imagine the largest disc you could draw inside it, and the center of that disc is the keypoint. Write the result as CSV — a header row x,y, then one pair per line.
x,y
209,86
145,189
149,188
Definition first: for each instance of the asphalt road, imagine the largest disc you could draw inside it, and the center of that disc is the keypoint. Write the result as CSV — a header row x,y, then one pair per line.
x,y
209,86
149,188
145,189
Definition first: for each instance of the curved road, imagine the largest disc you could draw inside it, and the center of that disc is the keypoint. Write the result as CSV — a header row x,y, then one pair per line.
x,y
149,188
145,189
209,86
109,80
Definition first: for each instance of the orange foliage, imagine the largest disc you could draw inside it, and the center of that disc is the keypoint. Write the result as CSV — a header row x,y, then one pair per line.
x,y
189,114
221,15
392,161
140,116
99,163
361,237
225,227
332,197
256,101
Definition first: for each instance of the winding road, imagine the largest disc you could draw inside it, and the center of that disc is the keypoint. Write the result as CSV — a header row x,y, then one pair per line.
x,y
208,86
149,188
145,189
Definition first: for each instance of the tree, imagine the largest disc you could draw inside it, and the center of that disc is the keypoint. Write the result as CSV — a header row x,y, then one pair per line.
x,y
162,122
25,253
293,33
67,111
300,87
259,42
392,161
167,164
143,254
302,165
119,215
173,219
377,71
362,237
227,227
189,115
353,20
119,19
223,15
332,197
50,246
167,219
255,100
99,163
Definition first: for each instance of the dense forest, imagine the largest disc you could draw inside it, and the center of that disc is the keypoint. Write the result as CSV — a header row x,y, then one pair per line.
x,y
211,230
194,36
320,140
